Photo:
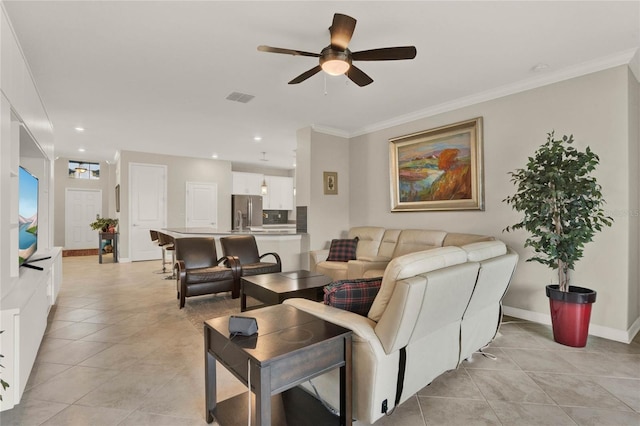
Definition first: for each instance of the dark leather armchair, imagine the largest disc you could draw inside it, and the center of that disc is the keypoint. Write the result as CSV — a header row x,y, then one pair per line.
x,y
201,272
245,249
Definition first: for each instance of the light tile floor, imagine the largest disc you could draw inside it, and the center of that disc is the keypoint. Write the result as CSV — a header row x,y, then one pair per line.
x,y
118,351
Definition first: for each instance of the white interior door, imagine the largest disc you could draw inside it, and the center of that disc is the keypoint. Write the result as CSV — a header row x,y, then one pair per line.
x,y
148,208
202,205
81,208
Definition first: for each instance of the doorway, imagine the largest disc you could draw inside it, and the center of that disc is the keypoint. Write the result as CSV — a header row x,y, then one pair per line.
x,y
82,206
148,208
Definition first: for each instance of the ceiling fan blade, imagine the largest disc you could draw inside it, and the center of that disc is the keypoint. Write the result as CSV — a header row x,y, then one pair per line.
x,y
270,49
358,76
305,75
385,54
341,30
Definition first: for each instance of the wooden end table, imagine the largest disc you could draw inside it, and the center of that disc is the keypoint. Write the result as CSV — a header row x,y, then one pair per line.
x,y
291,347
273,289
113,236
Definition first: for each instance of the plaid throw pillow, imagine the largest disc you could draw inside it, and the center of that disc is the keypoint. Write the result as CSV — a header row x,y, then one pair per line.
x,y
352,295
343,250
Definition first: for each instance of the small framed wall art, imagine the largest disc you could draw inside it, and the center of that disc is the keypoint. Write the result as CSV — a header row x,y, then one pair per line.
x,y
330,180
438,169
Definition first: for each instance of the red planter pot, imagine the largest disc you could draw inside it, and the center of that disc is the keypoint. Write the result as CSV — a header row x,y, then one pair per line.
x,y
570,314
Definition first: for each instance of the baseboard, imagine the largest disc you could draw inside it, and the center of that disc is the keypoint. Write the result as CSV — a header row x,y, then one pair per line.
x,y
80,252
594,329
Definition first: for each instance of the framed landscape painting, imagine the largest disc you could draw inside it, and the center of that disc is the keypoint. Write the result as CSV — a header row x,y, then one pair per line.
x,y
438,169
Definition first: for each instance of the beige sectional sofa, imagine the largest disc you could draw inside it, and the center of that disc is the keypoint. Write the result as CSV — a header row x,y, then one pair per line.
x,y
377,246
434,308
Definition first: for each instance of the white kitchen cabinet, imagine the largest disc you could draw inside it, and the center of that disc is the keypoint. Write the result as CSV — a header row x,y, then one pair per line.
x,y
246,183
279,193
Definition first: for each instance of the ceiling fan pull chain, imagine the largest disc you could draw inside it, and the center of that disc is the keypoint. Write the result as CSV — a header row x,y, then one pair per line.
x,y
325,85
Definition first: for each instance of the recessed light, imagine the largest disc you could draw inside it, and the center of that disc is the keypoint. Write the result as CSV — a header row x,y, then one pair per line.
x,y
214,155
81,149
79,129
257,138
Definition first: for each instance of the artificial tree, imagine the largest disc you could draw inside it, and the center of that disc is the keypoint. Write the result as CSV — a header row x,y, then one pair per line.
x,y
562,206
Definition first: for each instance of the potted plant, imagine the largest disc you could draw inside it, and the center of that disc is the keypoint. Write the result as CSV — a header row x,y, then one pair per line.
x,y
562,206
105,224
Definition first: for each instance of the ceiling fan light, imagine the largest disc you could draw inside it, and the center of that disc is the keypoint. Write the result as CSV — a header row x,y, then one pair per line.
x,y
335,67
335,62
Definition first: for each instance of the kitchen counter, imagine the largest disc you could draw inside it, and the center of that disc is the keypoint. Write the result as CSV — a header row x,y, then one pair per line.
x,y
291,246
213,231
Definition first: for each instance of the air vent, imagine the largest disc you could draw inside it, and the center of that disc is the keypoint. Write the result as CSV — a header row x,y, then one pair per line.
x,y
240,97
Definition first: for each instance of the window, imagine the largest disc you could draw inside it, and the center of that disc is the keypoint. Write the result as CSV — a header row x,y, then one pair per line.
x,y
84,170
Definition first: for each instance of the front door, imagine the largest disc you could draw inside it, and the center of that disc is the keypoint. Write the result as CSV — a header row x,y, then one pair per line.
x,y
202,205
148,207
81,208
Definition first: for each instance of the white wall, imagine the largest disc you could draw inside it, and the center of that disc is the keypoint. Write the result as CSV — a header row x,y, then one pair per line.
x,y
318,153
180,170
106,183
595,108
634,197
26,138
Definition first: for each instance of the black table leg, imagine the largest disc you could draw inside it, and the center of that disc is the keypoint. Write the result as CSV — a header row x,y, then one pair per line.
x,y
209,380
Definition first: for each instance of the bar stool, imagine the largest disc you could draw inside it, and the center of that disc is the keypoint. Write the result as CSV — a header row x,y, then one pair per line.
x,y
155,241
166,243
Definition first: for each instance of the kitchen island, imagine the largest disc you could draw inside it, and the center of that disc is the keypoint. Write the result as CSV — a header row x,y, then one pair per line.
x,y
292,246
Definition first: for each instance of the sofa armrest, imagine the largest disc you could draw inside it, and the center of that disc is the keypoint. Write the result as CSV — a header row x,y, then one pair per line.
x,y
361,326
276,257
317,256
357,268
375,258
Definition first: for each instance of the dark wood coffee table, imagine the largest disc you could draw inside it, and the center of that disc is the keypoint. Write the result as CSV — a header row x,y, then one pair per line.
x,y
273,289
291,347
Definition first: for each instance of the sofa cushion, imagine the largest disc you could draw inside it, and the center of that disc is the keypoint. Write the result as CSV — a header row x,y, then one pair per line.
x,y
352,295
411,265
413,240
480,251
388,243
335,270
459,239
369,239
370,273
343,250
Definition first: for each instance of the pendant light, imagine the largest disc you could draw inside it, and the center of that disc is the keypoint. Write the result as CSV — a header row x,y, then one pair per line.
x,y
80,168
263,187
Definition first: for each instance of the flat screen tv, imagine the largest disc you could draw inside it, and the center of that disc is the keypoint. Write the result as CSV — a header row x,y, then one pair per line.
x,y
28,215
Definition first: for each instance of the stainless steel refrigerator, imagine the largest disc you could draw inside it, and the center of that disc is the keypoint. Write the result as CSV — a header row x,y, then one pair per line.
x,y
246,211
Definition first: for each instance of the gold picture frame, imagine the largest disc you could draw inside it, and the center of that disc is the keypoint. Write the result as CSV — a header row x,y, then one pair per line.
x,y
438,169
330,183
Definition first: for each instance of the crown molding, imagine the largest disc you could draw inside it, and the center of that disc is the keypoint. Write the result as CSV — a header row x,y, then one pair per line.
x,y
621,58
331,131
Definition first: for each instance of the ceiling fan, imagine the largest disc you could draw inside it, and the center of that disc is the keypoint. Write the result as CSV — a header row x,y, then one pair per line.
x,y
336,59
